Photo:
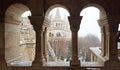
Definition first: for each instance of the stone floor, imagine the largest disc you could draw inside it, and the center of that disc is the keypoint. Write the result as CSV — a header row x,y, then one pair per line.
x,y
58,65
84,64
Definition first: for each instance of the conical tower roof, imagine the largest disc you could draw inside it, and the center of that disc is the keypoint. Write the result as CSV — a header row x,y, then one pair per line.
x,y
65,18
57,15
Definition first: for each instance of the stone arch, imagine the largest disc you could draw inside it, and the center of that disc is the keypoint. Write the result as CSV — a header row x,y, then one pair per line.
x,y
54,6
103,11
58,36
49,9
12,32
16,9
102,21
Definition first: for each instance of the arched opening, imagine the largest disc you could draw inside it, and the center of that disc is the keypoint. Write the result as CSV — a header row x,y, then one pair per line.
x,y
19,36
89,33
58,37
96,41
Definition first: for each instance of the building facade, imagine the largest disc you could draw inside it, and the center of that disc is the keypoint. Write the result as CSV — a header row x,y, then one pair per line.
x,y
59,35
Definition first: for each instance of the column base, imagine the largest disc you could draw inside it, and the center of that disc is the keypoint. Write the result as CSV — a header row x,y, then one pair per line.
x,y
3,65
75,63
112,65
115,62
39,63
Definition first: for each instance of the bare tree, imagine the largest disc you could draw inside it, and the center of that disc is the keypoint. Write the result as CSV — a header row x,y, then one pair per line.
x,y
85,43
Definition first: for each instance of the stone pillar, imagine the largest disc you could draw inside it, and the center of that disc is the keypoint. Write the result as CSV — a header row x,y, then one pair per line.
x,y
44,44
3,64
74,26
103,41
37,22
102,22
106,41
111,37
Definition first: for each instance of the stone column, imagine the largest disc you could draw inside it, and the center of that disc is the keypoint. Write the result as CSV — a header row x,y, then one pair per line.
x,y
111,31
44,44
37,22
3,64
103,41
74,26
102,22
106,42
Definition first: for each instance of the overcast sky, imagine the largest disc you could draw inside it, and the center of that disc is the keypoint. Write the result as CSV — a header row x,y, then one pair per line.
x,y
89,24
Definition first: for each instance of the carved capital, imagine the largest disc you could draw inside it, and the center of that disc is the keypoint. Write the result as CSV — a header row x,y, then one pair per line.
x,y
37,22
102,21
75,23
113,23
113,18
112,27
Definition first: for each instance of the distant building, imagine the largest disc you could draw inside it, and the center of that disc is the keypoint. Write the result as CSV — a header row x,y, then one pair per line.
x,y
59,34
27,39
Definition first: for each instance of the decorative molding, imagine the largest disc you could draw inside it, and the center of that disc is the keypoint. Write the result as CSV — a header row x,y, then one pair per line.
x,y
75,23
37,22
